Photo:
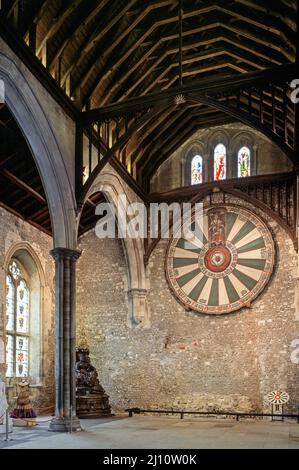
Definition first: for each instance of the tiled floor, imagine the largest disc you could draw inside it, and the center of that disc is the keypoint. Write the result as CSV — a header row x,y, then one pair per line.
x,y
151,432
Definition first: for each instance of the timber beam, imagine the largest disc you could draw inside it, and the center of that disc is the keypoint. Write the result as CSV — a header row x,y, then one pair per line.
x,y
279,74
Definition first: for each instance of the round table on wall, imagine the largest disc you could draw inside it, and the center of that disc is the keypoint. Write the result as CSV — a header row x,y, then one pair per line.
x,y
223,263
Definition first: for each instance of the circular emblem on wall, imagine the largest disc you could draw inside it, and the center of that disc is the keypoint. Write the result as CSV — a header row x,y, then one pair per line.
x,y
224,263
277,397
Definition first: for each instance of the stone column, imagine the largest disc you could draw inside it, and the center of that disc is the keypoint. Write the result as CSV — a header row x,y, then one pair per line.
x,y
296,205
65,336
254,161
207,171
231,164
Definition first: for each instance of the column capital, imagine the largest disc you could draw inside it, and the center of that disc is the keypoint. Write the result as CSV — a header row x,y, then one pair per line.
x,y
65,253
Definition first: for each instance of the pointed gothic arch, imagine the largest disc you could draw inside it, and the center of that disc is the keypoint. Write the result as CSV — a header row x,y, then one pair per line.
x,y
35,126
111,186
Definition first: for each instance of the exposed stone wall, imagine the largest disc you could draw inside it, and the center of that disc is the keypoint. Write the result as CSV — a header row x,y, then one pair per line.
x,y
185,360
119,194
14,231
266,157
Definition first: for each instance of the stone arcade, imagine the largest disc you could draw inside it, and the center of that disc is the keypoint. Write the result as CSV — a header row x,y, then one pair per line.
x,y
144,104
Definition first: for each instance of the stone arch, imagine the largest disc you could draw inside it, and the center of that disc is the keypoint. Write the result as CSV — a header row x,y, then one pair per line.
x,y
195,147
25,247
33,122
218,136
112,186
240,139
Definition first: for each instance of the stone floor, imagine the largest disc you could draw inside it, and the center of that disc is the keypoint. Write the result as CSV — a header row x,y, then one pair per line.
x,y
151,432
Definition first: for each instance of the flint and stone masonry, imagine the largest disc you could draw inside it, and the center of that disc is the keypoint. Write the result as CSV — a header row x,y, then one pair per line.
x,y
187,360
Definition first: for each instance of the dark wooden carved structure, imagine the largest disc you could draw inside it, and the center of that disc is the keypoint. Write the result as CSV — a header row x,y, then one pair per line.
x,y
139,78
91,399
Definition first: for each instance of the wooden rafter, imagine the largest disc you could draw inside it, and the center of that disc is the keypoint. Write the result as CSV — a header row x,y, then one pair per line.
x,y
76,31
23,185
233,82
138,124
106,24
67,10
113,65
134,54
126,31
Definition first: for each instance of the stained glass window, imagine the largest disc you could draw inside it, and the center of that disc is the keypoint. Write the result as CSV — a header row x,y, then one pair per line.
x,y
22,308
196,170
10,303
219,162
21,357
244,162
17,321
9,356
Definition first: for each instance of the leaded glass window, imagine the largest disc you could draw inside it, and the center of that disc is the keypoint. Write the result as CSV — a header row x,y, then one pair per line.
x,y
10,356
22,324
17,321
10,303
196,170
219,162
21,356
243,162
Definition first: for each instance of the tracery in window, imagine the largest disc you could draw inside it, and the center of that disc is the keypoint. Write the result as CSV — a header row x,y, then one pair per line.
x,y
17,321
14,270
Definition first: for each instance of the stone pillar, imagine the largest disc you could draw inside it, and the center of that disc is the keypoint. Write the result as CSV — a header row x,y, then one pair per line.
x,y
296,204
65,337
231,166
254,163
207,172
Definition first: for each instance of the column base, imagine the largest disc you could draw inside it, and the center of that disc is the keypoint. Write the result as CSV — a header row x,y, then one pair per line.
x,y
65,424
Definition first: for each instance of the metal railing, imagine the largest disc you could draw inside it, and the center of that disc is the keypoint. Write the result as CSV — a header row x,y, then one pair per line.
x,y
237,414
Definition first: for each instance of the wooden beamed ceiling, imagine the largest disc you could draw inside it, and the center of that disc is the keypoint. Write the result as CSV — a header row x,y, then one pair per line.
x,y
21,188
107,51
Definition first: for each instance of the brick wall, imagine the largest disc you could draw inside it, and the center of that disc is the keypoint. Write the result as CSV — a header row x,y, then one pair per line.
x,y
186,360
